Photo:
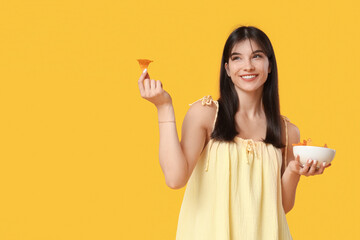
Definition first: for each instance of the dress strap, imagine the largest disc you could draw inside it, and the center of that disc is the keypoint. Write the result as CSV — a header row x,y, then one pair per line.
x,y
207,100
287,138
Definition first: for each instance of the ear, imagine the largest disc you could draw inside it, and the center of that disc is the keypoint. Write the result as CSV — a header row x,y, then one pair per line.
x,y
227,69
269,68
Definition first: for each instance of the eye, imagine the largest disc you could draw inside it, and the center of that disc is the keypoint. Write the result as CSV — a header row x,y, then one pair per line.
x,y
257,55
234,58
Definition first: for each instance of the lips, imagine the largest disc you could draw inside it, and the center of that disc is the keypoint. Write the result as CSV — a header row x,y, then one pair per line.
x,y
249,77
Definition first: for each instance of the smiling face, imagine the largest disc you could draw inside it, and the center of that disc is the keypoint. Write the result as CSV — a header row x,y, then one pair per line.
x,y
248,66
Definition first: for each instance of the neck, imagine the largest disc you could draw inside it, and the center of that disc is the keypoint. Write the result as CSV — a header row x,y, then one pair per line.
x,y
250,104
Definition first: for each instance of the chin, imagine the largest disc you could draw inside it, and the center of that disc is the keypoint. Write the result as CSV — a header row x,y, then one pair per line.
x,y
249,89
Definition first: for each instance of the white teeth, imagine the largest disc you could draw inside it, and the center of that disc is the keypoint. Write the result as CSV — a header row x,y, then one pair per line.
x,y
250,76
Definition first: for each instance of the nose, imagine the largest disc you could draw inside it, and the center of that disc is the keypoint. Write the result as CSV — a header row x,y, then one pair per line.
x,y
248,66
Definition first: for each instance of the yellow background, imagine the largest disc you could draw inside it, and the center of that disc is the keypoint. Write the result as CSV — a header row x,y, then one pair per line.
x,y
79,146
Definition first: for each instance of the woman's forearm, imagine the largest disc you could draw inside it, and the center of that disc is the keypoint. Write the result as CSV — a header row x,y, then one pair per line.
x,y
289,182
171,156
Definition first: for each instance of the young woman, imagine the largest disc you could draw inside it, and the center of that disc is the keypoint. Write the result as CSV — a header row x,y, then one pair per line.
x,y
235,154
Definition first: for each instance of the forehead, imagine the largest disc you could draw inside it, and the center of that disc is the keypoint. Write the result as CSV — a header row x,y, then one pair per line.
x,y
246,46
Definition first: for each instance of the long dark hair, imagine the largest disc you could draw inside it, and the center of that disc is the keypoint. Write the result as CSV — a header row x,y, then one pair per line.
x,y
224,129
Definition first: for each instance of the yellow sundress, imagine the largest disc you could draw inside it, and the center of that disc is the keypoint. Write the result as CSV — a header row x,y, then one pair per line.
x,y
234,192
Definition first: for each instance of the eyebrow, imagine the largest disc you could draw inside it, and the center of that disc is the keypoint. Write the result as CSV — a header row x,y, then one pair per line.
x,y
236,53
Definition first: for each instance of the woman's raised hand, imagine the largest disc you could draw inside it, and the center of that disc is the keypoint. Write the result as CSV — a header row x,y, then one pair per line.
x,y
153,91
309,169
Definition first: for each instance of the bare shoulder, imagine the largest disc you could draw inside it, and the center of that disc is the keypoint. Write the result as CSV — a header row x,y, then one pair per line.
x,y
202,114
292,130
294,133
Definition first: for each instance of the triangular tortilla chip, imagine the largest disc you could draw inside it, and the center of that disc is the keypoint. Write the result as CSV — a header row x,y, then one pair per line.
x,y
144,63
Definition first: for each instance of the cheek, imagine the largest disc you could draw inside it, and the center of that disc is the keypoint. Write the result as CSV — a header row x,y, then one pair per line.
x,y
266,69
234,69
266,66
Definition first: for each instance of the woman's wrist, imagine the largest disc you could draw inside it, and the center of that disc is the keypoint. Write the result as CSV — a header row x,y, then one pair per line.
x,y
166,121
166,113
293,172
164,106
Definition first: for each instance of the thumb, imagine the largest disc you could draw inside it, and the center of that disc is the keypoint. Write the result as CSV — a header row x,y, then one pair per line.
x,y
144,75
297,159
145,72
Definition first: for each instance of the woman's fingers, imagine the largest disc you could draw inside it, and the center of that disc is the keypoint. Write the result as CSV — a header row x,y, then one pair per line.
x,y
322,168
152,90
313,167
305,169
159,88
152,84
147,86
158,85
310,167
141,82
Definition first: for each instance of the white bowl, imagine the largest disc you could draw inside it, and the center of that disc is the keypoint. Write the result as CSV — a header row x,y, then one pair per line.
x,y
321,154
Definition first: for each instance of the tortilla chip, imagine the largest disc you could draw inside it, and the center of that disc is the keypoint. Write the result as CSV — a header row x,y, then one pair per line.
x,y
144,63
307,143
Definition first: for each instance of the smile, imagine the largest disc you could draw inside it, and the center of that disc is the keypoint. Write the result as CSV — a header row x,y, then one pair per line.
x,y
249,77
